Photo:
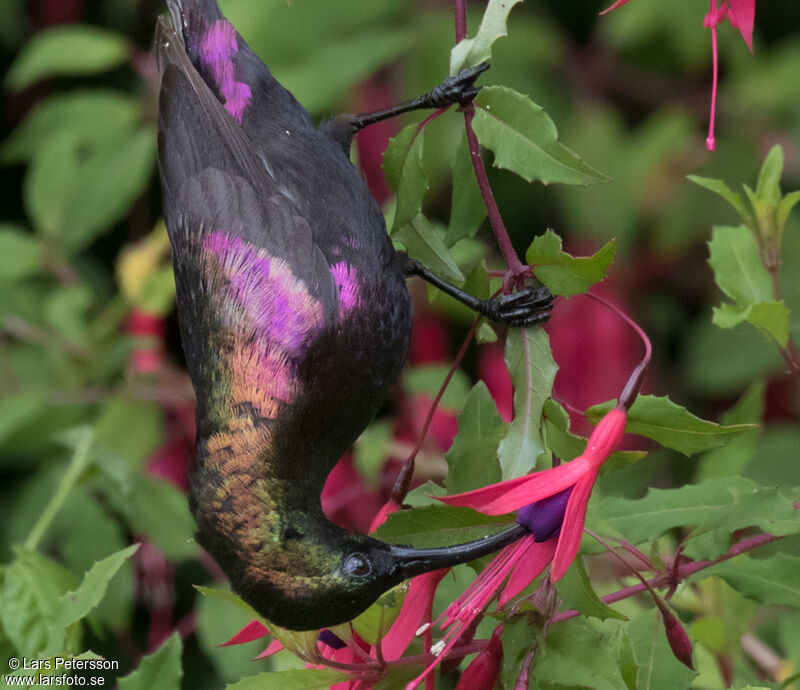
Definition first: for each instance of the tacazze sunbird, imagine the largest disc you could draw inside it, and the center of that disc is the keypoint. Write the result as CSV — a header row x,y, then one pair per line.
x,y
295,320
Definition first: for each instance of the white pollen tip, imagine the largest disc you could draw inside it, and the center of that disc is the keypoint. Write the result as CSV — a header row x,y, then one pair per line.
x,y
422,629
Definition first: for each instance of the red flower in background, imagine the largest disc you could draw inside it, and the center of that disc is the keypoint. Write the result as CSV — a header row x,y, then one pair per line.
x,y
741,14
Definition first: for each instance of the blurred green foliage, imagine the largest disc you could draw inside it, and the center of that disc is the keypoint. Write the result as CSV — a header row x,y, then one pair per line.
x,y
82,248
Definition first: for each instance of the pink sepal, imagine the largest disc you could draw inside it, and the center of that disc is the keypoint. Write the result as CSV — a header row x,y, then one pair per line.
x,y
527,568
272,648
416,607
618,3
252,631
742,14
572,528
511,495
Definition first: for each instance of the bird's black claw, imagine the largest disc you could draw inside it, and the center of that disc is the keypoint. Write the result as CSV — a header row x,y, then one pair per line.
x,y
524,308
460,88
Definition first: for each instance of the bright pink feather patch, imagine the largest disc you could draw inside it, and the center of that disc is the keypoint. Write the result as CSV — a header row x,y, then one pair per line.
x,y
217,49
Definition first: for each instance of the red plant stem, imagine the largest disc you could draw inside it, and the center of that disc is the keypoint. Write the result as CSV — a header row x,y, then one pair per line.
x,y
515,266
631,390
435,404
684,571
516,269
461,19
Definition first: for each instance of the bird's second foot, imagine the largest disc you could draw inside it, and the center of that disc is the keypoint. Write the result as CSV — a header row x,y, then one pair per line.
x,y
527,307
459,88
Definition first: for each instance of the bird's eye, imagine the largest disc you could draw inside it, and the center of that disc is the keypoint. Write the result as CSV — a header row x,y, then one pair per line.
x,y
357,565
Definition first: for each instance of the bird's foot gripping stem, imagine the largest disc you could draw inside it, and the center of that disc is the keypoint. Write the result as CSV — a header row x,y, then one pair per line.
x,y
459,88
527,307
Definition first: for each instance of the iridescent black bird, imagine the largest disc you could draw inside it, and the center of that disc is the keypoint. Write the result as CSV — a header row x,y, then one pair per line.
x,y
295,320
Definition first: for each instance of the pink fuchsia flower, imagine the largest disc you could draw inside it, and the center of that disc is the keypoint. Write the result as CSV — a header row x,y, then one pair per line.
x,y
552,504
741,14
577,476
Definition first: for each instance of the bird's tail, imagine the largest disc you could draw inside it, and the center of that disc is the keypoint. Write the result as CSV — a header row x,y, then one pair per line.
x,y
233,72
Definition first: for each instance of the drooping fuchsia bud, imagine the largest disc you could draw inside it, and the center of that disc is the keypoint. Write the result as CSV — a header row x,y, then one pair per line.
x,y
483,669
677,636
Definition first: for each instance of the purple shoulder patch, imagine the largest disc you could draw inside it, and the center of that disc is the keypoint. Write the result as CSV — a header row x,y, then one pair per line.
x,y
346,279
276,302
217,48
269,314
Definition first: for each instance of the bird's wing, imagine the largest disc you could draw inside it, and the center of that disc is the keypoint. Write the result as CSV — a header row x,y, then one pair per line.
x,y
253,290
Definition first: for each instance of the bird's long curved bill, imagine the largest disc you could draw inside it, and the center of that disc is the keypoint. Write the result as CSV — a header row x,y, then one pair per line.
x,y
412,562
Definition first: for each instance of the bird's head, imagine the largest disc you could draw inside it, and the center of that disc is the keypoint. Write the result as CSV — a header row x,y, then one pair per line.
x,y
320,575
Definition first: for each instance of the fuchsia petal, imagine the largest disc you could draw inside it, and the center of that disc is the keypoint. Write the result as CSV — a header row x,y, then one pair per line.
x,y
272,648
572,530
252,631
416,607
529,564
511,495
742,14
618,3
605,437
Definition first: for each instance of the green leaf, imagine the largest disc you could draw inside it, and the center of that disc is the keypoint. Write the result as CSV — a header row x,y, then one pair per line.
x,y
160,511
472,51
373,623
402,164
785,208
160,670
517,639
467,209
320,75
773,581
295,679
17,409
575,589
525,140
51,182
424,243
20,251
563,273
772,318
234,599
472,457
734,199
533,371
769,177
428,379
661,510
69,50
94,119
371,450
434,526
109,183
771,510
658,667
77,604
576,655
74,195
671,425
737,266
29,600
